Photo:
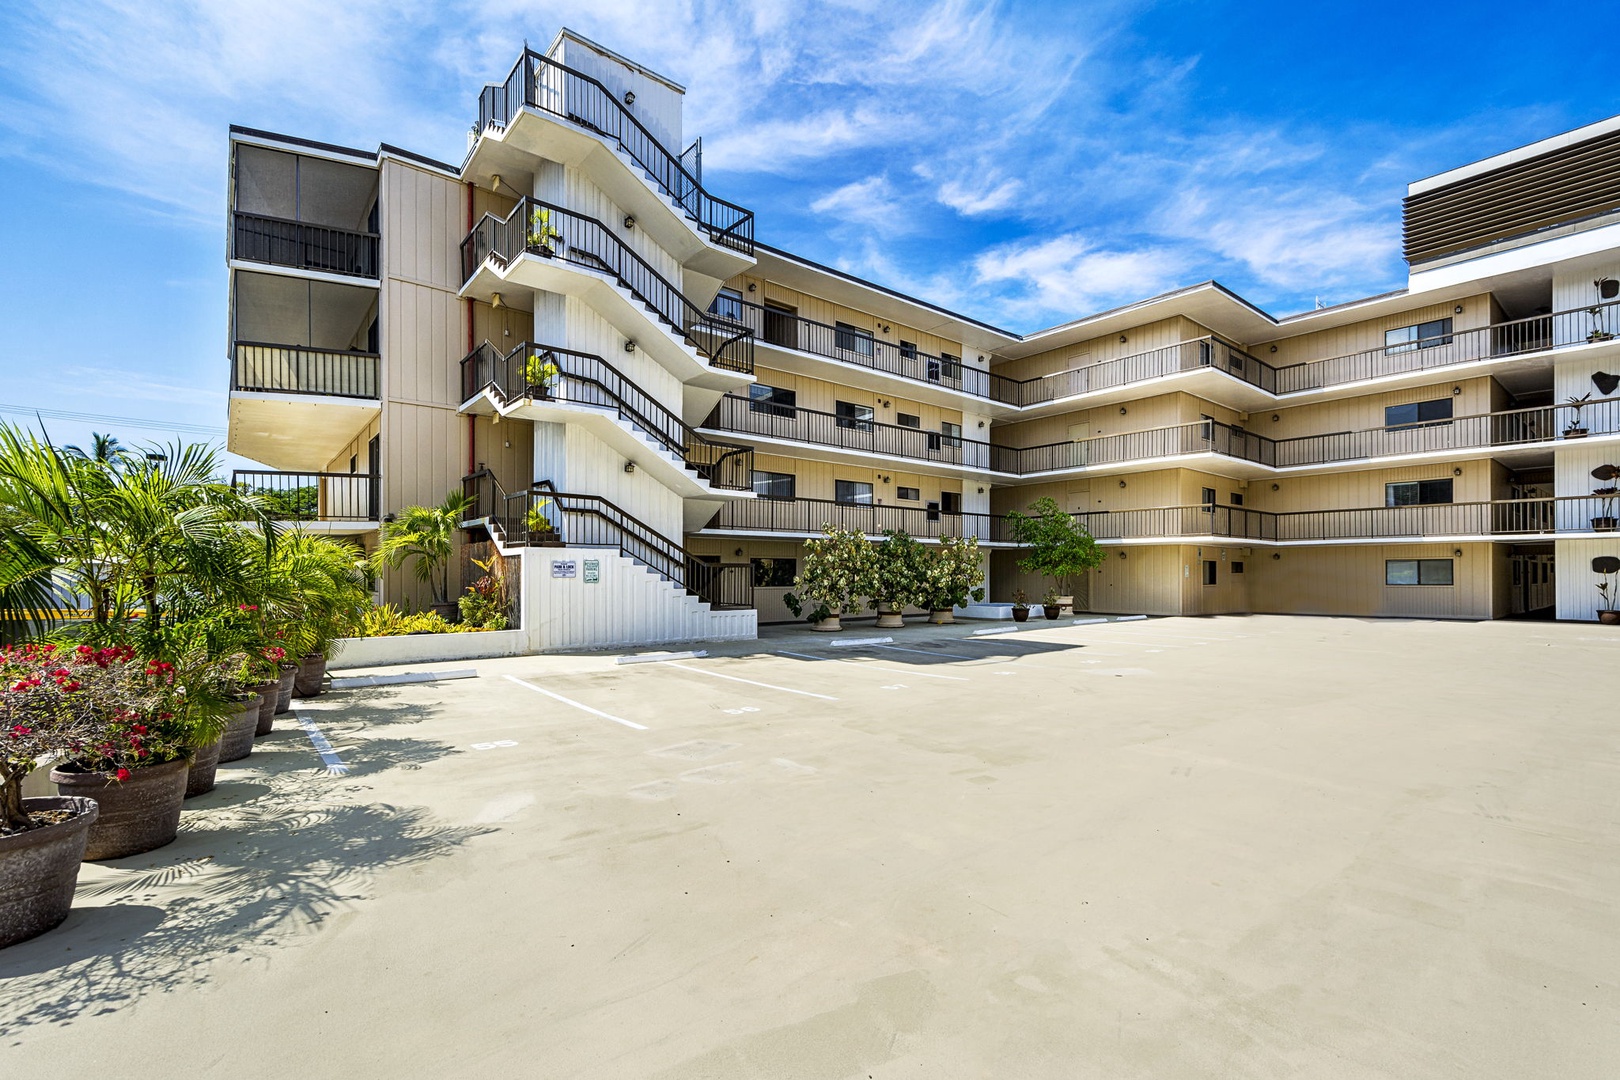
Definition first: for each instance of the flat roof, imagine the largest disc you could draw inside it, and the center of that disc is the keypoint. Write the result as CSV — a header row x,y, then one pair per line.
x,y
1517,154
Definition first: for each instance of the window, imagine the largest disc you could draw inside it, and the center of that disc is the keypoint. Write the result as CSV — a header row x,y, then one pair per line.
x,y
781,325
1207,497
933,511
908,350
1237,568
950,366
772,401
1399,417
774,573
1417,572
908,494
951,434
854,492
773,485
950,502
727,304
354,464
1417,493
1422,336
931,371
853,339
1209,572
1237,498
856,417
906,419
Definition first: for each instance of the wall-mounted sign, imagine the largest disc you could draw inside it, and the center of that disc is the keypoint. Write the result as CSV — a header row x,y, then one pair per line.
x,y
593,571
564,568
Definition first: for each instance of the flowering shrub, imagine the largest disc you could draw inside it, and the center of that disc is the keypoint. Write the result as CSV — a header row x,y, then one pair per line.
x,y
951,573
105,710
484,603
898,570
838,574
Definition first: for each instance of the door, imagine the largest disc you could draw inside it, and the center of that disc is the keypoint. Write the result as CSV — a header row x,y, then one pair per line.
x,y
781,325
374,465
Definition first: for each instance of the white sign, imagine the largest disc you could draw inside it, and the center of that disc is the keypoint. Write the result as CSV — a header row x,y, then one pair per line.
x,y
593,571
564,568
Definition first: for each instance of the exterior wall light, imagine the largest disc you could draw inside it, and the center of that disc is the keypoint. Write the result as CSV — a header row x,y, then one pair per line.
x,y
885,330
1123,339
1275,418
629,466
629,221
753,287
629,97
1455,390
496,302
1122,410
1458,310
1122,554
1457,552
1276,487
1276,556
629,346
1274,348
1457,471
981,491
981,423
1122,483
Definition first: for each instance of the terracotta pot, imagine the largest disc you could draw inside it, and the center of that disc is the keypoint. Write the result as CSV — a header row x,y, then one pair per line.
x,y
284,689
1020,614
138,814
200,776
1609,618
942,617
237,741
307,683
890,619
267,692
39,869
1052,611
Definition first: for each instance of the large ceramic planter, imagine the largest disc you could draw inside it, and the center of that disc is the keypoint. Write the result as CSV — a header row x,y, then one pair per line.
x,y
1065,605
890,618
284,689
1609,618
942,617
828,625
1020,614
237,741
1052,611
307,683
204,763
1604,524
267,692
39,869
138,814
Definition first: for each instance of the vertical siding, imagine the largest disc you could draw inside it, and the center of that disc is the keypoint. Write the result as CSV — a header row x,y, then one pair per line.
x,y
1573,579
1349,580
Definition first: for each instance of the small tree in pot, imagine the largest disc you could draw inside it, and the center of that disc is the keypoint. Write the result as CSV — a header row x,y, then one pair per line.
x,y
951,574
1605,522
1059,547
837,577
1020,607
1607,566
426,535
897,575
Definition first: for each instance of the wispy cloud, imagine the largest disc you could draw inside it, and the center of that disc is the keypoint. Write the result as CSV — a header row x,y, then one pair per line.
x,y
1068,273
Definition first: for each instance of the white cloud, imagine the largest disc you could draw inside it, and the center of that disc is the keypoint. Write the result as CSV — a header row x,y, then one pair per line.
x,y
969,202
1067,276
870,202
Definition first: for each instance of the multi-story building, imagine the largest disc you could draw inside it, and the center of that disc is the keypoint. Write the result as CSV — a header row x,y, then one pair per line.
x,y
575,330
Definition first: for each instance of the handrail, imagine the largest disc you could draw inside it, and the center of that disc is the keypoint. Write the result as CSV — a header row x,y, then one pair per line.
x,y
539,82
585,241
303,245
1194,437
592,380
312,496
810,516
267,367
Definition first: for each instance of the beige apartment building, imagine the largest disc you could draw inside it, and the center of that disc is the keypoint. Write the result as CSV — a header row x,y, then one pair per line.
x,y
570,324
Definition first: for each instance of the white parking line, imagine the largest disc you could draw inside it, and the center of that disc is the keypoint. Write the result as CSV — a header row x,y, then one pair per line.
x,y
329,756
578,705
872,666
928,652
751,682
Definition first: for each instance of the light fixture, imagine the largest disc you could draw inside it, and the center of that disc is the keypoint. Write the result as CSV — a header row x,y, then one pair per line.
x,y
494,181
737,552
1457,471
1275,418
885,479
1122,410
981,358
886,405
494,418
1274,348
629,346
981,423
1456,552
981,491
1455,390
629,221
1276,487
1122,554
1276,556
752,287
629,97
885,329
1122,483
495,301
1122,339
629,466
1458,310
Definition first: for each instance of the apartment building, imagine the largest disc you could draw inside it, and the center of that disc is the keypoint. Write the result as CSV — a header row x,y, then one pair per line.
x,y
653,409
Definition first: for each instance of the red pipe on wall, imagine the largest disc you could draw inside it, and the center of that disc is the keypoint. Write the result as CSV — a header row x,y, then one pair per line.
x,y
472,421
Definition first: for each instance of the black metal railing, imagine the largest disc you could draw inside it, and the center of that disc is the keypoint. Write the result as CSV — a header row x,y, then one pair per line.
x,y
584,379
790,423
585,241
541,514
1198,437
810,516
262,367
317,496
1205,352
304,246
538,82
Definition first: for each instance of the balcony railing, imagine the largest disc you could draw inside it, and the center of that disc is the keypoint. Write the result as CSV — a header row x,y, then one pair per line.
x,y
789,422
590,380
290,496
586,242
261,367
304,246
538,82
1206,352
1199,437
810,516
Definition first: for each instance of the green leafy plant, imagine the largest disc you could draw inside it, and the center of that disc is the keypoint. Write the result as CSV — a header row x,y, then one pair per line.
x,y
388,621
426,535
952,573
541,232
540,370
1021,599
536,518
836,575
897,570
1060,548
485,603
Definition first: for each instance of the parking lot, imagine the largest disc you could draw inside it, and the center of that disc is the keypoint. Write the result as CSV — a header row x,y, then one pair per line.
x,y
1228,847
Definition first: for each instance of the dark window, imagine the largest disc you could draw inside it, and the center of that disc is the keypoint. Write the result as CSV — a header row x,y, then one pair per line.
x,y
1417,572
950,367
857,417
852,339
727,304
773,485
1209,572
951,434
1237,568
1237,498
1417,493
1207,497
354,464
773,573
950,502
933,511
772,401
908,350
906,419
781,325
908,494
1422,336
854,492
1416,413
931,369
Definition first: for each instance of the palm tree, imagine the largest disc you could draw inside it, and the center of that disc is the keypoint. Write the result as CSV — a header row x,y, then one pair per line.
x,y
426,534
105,448
28,602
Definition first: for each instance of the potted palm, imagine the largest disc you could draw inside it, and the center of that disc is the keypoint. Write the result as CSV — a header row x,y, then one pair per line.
x,y
837,576
541,532
544,239
897,569
1020,606
1060,547
1606,566
1576,429
540,374
1605,522
951,574
426,535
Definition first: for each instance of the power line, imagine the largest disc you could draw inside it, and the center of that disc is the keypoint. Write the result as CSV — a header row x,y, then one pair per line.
x,y
125,421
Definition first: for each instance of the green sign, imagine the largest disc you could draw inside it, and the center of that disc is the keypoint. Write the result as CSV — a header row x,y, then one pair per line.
x,y
593,571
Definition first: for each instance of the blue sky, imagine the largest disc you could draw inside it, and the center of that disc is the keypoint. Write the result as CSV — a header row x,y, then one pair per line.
x,y
1025,163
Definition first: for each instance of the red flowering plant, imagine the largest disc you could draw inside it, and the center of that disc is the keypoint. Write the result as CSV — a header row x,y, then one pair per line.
x,y
102,710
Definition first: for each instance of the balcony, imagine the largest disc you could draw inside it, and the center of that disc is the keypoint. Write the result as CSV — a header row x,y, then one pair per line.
x,y
851,435
264,368
808,517
588,108
303,212
1199,354
325,502
1145,448
622,286
303,246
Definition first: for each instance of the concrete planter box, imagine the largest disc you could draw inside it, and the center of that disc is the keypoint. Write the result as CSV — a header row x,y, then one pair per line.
x,y
426,648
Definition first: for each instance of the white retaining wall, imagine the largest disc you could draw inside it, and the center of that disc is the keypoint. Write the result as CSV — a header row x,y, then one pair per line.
x,y
425,648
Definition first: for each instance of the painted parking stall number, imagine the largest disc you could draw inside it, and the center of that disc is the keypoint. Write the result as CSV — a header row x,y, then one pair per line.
x,y
496,745
739,711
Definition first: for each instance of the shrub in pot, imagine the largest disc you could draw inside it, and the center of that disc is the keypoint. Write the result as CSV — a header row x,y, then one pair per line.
x,y
1050,606
1060,547
836,576
896,577
1020,608
951,574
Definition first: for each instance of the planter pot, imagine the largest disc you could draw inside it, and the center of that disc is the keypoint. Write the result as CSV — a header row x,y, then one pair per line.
x,y
284,689
1575,433
200,776
827,625
139,814
1052,611
267,692
237,741
1020,614
1604,524
890,619
1608,618
39,869
1066,605
307,683
448,612
942,617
